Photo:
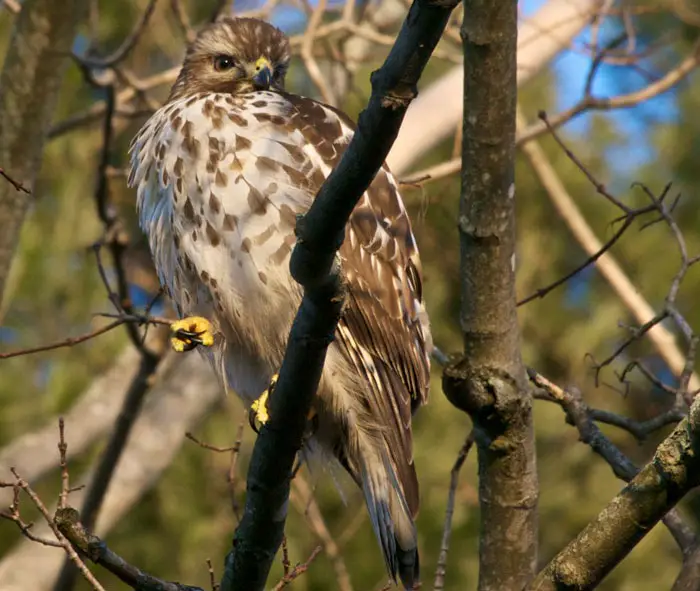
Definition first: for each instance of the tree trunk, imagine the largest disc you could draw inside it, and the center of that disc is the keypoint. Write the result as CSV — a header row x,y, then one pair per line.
x,y
488,381
29,86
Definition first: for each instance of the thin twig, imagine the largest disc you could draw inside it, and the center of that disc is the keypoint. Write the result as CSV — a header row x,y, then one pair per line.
x,y
17,185
212,576
299,569
72,554
127,45
72,341
661,337
183,20
107,464
285,556
65,477
13,514
449,511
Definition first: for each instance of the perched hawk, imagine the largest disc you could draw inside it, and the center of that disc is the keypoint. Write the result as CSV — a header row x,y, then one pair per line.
x,y
222,170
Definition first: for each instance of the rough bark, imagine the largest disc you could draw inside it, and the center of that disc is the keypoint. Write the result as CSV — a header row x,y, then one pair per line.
x,y
320,233
659,486
488,381
29,86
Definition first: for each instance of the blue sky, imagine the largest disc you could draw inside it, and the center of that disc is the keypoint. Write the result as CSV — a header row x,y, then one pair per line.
x,y
571,69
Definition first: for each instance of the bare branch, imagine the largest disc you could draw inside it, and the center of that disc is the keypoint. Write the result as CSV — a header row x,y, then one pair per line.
x,y
305,502
17,185
590,103
89,545
447,528
298,570
186,392
662,339
439,107
107,464
127,45
72,554
581,416
656,489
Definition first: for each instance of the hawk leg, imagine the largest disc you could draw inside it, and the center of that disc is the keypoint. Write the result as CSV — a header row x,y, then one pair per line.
x,y
189,332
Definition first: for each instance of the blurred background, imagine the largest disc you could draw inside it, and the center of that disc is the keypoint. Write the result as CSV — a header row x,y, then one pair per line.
x,y
169,506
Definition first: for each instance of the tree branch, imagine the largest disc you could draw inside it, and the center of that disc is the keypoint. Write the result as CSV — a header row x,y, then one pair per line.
x,y
102,477
583,418
186,392
658,487
439,583
488,381
89,545
320,233
661,337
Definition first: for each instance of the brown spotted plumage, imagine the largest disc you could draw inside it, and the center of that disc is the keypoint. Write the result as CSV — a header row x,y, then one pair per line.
x,y
222,170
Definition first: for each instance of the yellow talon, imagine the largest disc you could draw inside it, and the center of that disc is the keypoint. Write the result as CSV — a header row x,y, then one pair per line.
x,y
258,410
259,407
190,332
259,414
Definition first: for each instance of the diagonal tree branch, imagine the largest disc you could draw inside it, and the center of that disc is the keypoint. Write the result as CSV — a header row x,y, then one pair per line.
x,y
320,233
581,416
659,486
488,380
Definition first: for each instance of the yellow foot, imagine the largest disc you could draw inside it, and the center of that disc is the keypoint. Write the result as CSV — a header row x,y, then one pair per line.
x,y
189,332
258,414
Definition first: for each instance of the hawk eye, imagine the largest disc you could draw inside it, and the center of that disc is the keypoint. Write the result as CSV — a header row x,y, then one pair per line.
x,y
223,63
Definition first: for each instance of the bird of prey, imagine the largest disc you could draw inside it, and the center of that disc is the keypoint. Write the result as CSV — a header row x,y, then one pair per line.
x,y
222,170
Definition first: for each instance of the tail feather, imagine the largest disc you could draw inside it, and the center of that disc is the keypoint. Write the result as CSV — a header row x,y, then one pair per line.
x,y
391,520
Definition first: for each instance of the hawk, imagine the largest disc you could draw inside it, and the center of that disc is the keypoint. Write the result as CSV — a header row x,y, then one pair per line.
x,y
222,170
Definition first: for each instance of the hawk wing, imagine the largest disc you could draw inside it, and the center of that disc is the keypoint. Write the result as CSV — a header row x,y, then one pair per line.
x,y
384,330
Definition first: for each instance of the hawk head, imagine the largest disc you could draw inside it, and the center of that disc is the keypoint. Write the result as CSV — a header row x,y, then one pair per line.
x,y
234,55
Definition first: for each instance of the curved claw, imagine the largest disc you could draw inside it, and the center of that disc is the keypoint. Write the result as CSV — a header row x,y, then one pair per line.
x,y
258,412
189,332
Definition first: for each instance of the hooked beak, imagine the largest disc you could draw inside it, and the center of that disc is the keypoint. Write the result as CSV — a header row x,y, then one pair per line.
x,y
263,74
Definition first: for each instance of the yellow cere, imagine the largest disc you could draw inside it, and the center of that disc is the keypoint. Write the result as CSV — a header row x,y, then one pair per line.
x,y
262,62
